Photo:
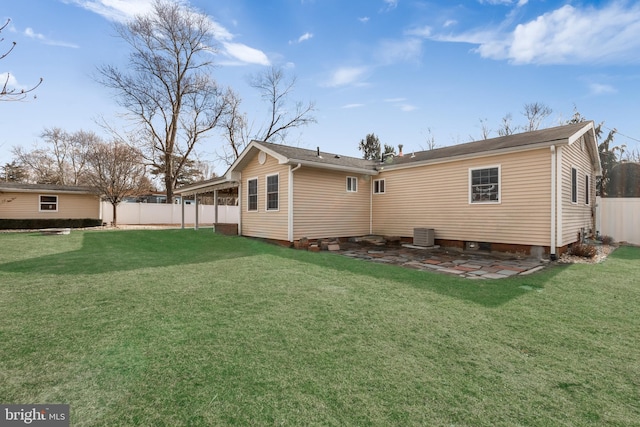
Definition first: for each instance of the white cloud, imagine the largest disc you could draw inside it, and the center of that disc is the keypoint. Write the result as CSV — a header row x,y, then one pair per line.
x,y
246,54
392,51
520,3
449,23
11,82
40,37
115,10
349,106
407,107
568,35
346,76
124,10
601,89
364,19
395,100
425,32
302,38
390,5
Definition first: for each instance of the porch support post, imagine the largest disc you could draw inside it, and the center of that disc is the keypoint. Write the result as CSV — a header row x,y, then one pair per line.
x,y
195,197
215,209
182,210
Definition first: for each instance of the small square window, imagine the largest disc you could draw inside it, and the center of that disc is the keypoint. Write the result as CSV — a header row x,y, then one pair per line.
x,y
352,184
378,186
48,203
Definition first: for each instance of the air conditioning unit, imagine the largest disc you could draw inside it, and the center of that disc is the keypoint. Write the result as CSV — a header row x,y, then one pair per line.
x,y
423,236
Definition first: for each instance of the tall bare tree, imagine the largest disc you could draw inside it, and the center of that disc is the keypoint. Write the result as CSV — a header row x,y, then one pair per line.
x,y
8,93
62,159
275,88
167,89
535,112
117,170
506,127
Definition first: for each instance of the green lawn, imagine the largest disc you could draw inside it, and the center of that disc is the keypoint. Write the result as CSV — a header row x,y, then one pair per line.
x,y
178,327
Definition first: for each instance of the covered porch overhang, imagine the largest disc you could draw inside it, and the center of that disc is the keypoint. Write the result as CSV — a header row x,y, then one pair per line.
x,y
212,186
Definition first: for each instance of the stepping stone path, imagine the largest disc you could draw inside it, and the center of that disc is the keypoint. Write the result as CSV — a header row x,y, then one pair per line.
x,y
462,264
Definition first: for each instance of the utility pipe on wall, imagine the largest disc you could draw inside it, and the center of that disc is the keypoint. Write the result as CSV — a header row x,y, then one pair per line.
x,y
552,247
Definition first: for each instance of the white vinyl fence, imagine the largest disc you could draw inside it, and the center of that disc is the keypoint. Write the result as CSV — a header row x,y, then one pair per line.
x,y
158,213
619,217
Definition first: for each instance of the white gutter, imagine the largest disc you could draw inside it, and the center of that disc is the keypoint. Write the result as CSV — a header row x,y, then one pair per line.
x,y
329,166
290,201
552,246
370,205
559,242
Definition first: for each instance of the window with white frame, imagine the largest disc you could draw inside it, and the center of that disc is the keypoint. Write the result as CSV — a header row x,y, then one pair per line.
x,y
272,192
48,203
484,185
352,184
378,186
574,185
252,194
587,178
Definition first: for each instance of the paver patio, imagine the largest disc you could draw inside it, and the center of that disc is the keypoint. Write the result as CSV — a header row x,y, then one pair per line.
x,y
477,265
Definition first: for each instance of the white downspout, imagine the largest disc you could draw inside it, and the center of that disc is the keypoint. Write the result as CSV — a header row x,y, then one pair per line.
x,y
559,242
290,201
240,207
371,205
552,247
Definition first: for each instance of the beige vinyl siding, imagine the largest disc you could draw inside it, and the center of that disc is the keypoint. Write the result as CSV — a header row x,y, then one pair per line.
x,y
437,196
27,206
262,223
576,216
324,208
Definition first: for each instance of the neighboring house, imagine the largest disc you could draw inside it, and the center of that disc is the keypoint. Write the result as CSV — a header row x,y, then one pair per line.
x,y
46,201
512,193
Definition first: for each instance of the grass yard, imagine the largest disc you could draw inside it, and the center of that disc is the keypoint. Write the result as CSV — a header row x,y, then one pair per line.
x,y
186,328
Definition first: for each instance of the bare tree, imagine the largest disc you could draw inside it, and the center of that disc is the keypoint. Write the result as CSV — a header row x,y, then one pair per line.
x,y
506,128
430,141
7,93
535,113
117,170
169,92
236,131
62,160
485,129
275,89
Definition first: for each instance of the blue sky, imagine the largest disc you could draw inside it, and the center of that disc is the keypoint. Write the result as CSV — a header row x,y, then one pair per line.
x,y
402,69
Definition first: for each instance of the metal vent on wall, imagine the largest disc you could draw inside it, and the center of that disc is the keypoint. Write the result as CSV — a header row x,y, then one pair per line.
x,y
423,236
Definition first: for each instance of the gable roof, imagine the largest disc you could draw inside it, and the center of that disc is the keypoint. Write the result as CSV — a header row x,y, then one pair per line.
x,y
19,187
560,135
288,155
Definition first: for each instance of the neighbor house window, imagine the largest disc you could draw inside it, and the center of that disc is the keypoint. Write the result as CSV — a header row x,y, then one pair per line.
x,y
586,189
252,194
272,192
574,185
378,186
352,184
484,185
48,203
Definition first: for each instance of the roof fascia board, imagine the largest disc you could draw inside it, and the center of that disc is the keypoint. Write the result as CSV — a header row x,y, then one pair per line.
x,y
255,144
44,190
479,155
332,167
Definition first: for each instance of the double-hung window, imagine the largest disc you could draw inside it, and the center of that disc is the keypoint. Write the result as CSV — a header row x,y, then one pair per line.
x,y
272,192
574,185
48,203
378,186
586,189
484,185
352,184
252,194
